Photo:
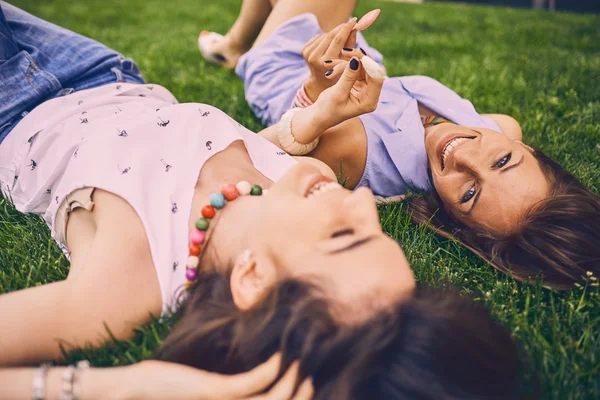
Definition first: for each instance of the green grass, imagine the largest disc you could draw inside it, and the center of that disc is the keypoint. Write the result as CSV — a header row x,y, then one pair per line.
x,y
540,68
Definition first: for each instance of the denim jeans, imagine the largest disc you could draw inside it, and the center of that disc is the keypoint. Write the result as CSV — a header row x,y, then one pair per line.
x,y
40,61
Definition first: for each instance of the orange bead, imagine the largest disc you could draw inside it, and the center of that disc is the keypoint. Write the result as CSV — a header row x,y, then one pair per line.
x,y
194,250
208,211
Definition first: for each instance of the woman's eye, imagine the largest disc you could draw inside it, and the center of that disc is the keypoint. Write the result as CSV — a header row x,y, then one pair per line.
x,y
503,161
343,232
468,195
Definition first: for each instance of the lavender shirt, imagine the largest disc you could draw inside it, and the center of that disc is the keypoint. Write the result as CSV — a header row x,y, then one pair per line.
x,y
396,159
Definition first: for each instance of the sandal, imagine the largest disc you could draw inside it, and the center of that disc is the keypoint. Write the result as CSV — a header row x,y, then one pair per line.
x,y
206,41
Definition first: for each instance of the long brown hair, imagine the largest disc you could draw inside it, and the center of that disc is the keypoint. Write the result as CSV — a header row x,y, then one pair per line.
x,y
559,240
433,346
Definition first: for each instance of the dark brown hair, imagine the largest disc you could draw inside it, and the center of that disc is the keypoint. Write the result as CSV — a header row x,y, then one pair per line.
x,y
559,240
433,346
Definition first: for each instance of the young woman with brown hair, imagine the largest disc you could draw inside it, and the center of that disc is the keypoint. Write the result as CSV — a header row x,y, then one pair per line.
x,y
480,183
148,197
432,345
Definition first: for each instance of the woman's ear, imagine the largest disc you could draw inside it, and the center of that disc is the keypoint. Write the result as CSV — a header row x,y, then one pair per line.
x,y
250,280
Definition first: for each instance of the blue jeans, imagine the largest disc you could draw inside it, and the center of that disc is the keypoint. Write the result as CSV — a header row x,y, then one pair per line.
x,y
40,61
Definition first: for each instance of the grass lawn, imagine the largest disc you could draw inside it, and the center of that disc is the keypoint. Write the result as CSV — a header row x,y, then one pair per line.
x,y
543,69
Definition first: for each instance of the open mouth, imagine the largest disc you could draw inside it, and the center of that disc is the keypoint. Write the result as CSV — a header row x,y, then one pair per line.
x,y
322,187
450,146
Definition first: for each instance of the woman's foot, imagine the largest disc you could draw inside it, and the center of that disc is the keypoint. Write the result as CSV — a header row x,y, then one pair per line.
x,y
219,49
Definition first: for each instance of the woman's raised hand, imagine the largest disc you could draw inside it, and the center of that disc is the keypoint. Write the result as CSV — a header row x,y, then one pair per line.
x,y
323,51
164,380
355,93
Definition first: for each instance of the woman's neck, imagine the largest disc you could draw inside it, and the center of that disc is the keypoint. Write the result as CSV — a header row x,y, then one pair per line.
x,y
228,228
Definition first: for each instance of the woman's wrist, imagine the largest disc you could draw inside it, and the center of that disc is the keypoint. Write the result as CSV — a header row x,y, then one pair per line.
x,y
313,89
103,383
309,124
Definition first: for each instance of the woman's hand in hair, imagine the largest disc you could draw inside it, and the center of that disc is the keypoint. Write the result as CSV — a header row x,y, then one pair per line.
x,y
322,53
356,92
164,380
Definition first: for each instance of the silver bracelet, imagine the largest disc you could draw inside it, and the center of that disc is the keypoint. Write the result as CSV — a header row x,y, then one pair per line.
x,y
39,382
81,365
71,390
67,383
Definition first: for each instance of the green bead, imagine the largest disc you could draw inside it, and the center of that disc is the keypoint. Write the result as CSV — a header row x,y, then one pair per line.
x,y
202,224
256,190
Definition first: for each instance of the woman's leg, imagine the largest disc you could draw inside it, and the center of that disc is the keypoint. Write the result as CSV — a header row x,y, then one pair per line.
x,y
329,14
247,26
259,18
39,60
239,39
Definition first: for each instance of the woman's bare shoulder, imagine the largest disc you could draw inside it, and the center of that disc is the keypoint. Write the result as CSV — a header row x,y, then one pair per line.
x,y
508,125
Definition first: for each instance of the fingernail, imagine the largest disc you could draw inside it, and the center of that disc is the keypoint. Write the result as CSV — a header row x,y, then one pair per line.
x,y
330,72
347,49
363,51
328,62
353,64
219,57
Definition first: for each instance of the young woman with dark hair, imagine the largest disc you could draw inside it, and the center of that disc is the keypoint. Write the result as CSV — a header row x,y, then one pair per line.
x,y
481,184
145,194
434,345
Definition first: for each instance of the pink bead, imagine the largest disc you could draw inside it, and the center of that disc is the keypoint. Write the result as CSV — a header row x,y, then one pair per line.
x,y
230,192
190,274
197,237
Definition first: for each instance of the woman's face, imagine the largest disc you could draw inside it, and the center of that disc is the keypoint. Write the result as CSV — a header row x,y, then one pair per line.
x,y
484,178
311,228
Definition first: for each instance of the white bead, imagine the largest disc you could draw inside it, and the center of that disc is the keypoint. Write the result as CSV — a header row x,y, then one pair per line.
x,y
192,262
243,188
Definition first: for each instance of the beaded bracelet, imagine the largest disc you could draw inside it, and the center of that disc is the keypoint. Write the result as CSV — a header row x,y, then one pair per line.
x,y
81,365
301,99
69,381
39,382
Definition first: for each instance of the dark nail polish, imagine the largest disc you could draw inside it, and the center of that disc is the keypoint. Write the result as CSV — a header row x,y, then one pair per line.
x,y
347,49
354,64
363,51
328,62
329,72
220,57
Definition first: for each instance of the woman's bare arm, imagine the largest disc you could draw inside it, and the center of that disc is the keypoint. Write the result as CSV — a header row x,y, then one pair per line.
x,y
17,383
508,125
334,119
342,148
116,287
308,124
162,380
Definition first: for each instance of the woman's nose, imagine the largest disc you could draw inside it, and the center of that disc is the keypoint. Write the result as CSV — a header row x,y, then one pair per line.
x,y
361,209
466,158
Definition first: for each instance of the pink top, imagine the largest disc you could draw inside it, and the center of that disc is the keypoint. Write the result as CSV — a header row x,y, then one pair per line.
x,y
137,142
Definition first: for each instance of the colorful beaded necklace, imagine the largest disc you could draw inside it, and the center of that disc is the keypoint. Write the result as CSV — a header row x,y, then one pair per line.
x,y
431,120
218,200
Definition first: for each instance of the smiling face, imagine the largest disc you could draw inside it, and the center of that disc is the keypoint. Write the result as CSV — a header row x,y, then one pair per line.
x,y
311,228
484,178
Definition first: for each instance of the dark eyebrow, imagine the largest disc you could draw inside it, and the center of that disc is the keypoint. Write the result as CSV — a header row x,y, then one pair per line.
x,y
503,170
354,245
